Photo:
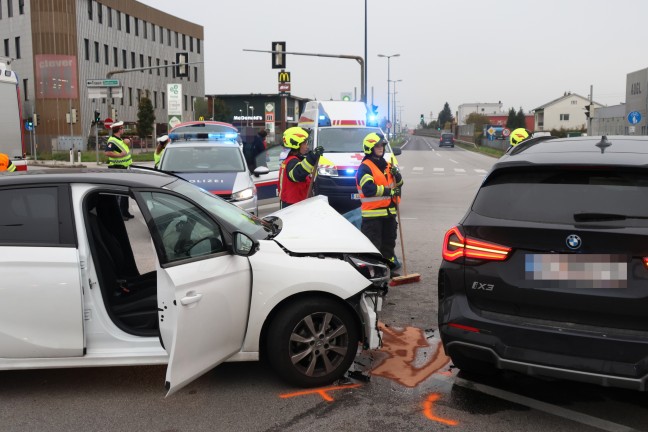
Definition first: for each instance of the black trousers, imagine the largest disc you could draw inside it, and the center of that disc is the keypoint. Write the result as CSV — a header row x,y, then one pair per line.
x,y
382,233
121,200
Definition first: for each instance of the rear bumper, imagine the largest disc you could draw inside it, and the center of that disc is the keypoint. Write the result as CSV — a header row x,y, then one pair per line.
x,y
603,356
484,353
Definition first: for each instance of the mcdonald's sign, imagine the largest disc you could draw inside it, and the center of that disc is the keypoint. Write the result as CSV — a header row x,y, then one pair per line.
x,y
284,77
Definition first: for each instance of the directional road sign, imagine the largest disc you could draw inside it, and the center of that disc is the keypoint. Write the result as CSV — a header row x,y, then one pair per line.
x,y
634,117
103,83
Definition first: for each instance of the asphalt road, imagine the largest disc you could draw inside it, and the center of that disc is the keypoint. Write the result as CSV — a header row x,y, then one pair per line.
x,y
409,385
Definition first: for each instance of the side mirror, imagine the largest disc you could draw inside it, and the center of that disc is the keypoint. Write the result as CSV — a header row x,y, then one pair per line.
x,y
244,245
261,170
397,151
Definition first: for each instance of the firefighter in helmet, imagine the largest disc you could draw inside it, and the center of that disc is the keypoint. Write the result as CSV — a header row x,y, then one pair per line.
x,y
295,170
519,135
6,164
379,186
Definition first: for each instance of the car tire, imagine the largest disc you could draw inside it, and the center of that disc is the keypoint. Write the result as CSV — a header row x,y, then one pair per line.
x,y
308,355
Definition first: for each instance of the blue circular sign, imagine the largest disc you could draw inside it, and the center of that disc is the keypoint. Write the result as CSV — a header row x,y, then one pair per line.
x,y
634,117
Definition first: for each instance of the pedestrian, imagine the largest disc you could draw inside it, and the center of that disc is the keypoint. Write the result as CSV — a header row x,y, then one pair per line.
x,y
162,142
6,164
252,151
295,170
119,157
379,186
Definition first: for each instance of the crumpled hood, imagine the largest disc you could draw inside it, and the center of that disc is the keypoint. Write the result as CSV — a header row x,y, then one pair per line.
x,y
313,225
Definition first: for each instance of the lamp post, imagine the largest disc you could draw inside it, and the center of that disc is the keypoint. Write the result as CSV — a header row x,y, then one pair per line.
x,y
241,115
388,80
247,112
394,111
252,108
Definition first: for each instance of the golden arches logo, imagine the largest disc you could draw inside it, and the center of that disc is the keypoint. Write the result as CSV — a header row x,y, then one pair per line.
x,y
284,77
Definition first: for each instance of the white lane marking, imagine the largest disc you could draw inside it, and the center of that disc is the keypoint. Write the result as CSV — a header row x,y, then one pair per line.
x,y
544,406
439,169
459,170
438,154
452,160
481,171
417,169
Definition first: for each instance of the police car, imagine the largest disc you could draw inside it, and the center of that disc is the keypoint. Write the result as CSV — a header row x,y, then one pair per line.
x,y
209,155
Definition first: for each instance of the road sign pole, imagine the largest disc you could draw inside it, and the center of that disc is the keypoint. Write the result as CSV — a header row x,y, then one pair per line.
x,y
96,135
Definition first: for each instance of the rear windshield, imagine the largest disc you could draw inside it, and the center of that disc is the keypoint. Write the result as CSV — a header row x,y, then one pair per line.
x,y
447,136
556,195
345,139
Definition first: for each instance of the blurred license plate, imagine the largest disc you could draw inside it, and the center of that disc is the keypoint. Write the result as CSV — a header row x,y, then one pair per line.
x,y
578,270
355,196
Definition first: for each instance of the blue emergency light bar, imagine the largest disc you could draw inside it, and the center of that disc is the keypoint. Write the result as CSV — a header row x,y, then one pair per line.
x,y
215,136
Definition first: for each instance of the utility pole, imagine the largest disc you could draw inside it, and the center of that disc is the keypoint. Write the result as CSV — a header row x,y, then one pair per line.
x,y
589,120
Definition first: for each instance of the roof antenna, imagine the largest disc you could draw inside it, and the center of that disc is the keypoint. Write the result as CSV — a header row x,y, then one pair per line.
x,y
603,144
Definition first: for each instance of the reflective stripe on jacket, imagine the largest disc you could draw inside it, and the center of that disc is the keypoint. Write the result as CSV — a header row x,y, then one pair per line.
x,y
124,161
6,164
378,205
291,191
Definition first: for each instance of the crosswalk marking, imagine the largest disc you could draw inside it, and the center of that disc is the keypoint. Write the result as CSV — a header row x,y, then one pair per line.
x,y
439,169
417,169
459,170
481,171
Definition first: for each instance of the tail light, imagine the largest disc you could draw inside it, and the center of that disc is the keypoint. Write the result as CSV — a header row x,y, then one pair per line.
x,y
456,246
645,260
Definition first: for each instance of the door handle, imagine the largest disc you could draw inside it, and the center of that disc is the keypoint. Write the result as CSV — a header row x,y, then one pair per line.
x,y
192,297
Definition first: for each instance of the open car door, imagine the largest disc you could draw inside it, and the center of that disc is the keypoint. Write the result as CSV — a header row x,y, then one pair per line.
x,y
203,289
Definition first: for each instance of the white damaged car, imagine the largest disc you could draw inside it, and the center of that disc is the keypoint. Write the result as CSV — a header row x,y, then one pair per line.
x,y
191,281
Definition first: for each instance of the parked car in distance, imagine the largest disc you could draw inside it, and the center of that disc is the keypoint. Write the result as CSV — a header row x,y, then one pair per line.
x,y
546,273
191,281
446,139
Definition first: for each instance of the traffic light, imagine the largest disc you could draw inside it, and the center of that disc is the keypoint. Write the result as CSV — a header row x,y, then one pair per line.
x,y
113,114
74,115
587,111
97,117
30,123
36,120
422,118
181,68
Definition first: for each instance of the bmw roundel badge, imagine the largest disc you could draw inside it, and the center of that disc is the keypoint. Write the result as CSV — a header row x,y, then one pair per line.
x,y
574,242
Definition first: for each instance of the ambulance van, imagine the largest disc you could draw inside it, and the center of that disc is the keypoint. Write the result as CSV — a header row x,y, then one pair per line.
x,y
340,127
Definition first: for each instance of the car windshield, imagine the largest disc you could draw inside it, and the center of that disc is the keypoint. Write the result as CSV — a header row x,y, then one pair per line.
x,y
203,159
238,219
566,196
345,139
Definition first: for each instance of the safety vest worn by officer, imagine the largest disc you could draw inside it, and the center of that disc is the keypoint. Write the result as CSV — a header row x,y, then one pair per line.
x,y
157,156
6,164
289,191
378,206
124,161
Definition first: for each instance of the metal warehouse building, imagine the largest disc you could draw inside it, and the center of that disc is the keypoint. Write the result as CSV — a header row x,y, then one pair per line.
x,y
56,46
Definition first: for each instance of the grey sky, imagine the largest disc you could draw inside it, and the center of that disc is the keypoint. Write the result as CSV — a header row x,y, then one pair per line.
x,y
523,53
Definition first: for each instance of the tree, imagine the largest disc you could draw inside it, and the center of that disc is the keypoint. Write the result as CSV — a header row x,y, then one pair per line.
x,y
200,108
521,118
511,121
445,116
221,111
145,117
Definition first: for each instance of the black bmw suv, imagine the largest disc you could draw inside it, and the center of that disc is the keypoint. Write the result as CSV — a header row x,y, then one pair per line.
x,y
547,273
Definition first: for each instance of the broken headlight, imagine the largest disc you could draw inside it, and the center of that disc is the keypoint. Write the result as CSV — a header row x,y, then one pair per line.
x,y
373,269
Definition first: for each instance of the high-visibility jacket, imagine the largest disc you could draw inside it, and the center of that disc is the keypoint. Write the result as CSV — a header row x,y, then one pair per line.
x,y
6,164
292,191
123,161
382,204
157,156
